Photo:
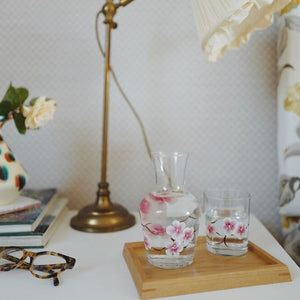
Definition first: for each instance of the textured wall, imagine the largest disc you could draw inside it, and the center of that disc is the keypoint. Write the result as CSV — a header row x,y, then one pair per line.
x,y
224,114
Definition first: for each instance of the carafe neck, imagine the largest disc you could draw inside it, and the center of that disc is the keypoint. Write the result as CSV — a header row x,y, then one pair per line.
x,y
170,170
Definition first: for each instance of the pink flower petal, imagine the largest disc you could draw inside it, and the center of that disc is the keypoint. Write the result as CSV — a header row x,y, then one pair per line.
x,y
210,229
160,200
158,229
147,243
229,225
174,248
241,229
176,229
145,206
188,235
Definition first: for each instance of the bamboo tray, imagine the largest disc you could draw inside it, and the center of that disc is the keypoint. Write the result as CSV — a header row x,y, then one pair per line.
x,y
208,272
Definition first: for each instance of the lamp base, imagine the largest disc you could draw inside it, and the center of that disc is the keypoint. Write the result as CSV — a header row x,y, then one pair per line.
x,y
93,218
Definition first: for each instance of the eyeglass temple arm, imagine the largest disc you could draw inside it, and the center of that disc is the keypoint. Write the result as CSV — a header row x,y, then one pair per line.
x,y
55,280
16,260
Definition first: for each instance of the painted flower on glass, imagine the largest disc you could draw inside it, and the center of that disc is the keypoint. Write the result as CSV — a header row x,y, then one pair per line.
x,y
229,225
154,229
240,230
173,248
145,206
157,229
292,101
210,230
160,200
188,235
147,242
175,237
176,230
225,229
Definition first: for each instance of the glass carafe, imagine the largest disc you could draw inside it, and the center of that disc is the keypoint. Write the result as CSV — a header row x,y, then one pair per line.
x,y
170,214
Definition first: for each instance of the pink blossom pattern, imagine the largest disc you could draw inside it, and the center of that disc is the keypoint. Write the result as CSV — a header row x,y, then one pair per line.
x,y
188,235
176,236
176,230
226,229
157,229
174,248
147,243
241,229
160,200
210,229
229,225
154,229
145,206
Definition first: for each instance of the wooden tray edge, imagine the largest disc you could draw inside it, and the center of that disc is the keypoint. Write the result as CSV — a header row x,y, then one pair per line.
x,y
128,256
276,272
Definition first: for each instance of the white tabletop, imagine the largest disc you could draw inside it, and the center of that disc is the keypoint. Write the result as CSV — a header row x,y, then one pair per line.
x,y
101,272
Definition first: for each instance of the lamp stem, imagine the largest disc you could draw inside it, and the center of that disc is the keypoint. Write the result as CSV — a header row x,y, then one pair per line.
x,y
106,104
103,199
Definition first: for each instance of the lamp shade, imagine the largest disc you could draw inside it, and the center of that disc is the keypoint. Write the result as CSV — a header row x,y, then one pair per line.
x,y
227,24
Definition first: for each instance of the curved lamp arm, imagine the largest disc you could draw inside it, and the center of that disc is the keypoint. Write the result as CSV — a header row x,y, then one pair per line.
x,y
109,10
124,2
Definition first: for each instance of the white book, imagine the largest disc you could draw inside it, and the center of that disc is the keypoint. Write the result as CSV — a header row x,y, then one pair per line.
x,y
41,235
22,203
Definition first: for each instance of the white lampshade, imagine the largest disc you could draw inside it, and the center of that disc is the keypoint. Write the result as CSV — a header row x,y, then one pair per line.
x,y
227,24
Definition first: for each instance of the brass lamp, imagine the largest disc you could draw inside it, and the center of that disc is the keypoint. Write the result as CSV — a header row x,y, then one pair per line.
x,y
103,215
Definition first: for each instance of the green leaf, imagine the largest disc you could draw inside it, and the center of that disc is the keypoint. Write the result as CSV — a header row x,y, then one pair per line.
x,y
12,97
20,122
32,101
22,94
5,108
10,94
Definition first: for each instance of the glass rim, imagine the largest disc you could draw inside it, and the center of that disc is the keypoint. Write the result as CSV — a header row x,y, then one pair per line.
x,y
169,153
217,194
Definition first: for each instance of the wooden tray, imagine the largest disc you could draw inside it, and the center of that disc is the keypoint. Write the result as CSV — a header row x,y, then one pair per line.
x,y
207,273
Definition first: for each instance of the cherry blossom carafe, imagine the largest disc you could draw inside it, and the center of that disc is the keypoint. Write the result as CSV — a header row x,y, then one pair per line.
x,y
170,215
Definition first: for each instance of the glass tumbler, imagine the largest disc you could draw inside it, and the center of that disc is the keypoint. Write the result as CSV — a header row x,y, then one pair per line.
x,y
227,221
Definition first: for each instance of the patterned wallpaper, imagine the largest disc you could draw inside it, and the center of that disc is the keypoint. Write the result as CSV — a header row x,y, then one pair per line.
x,y
223,114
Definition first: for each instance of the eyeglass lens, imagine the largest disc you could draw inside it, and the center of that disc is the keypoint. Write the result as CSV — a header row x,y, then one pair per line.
x,y
45,264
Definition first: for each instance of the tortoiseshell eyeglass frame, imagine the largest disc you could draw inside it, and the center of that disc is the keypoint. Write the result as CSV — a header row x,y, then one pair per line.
x,y
52,269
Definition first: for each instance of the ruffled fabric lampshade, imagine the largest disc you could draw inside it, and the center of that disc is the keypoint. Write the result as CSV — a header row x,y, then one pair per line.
x,y
227,24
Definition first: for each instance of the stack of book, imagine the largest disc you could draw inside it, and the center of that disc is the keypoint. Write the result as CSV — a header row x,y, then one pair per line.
x,y
32,219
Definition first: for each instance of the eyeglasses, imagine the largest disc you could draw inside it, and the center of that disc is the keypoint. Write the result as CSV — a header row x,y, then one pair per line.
x,y
42,265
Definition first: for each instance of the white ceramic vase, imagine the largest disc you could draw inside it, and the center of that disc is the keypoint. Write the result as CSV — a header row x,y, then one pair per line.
x,y
13,176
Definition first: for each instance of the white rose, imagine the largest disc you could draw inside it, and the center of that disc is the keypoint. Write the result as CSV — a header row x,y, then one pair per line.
x,y
39,114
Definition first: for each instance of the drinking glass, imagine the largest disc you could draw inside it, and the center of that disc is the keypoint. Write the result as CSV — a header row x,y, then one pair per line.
x,y
227,221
